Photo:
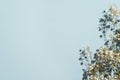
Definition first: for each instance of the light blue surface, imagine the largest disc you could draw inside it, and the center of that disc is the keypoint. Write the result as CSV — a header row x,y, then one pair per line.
x,y
40,39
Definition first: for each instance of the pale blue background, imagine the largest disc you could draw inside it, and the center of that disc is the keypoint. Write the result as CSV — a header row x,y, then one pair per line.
x,y
40,39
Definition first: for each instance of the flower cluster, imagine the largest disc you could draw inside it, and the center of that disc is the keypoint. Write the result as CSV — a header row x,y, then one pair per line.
x,y
104,64
114,11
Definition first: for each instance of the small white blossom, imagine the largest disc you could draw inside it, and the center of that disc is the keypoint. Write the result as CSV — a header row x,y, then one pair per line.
x,y
114,11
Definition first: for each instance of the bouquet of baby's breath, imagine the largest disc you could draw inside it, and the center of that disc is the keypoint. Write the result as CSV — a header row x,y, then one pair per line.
x,y
104,64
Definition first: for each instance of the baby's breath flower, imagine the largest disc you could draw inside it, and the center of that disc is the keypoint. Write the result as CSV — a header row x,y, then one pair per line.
x,y
118,36
114,11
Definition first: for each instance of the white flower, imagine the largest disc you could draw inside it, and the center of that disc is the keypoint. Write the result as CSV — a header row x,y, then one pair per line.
x,y
110,37
114,11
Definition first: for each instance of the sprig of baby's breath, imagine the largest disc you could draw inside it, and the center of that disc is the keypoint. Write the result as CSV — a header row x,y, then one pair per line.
x,y
104,64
